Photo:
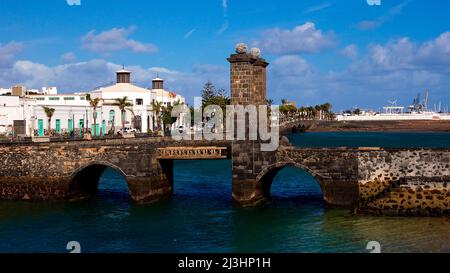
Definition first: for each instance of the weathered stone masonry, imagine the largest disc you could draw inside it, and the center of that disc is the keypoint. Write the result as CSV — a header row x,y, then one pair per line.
x,y
394,181
71,170
367,179
375,180
402,181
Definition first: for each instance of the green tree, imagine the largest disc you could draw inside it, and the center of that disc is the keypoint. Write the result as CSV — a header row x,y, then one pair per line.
x,y
287,109
94,104
357,111
157,107
221,99
123,105
211,96
49,113
208,94
326,110
166,116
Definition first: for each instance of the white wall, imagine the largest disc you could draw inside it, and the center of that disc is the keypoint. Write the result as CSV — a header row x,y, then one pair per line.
x,y
76,107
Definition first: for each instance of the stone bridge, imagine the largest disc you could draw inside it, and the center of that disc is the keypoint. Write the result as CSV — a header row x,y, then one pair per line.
x,y
71,170
367,179
376,180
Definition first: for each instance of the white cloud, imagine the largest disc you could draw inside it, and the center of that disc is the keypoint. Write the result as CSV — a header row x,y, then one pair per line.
x,y
290,66
318,8
350,51
189,33
398,69
73,2
226,23
223,28
8,52
367,24
114,40
372,24
85,76
225,5
68,57
205,69
436,52
302,39
433,55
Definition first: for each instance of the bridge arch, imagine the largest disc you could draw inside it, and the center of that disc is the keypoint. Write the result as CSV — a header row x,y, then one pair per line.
x,y
267,175
85,179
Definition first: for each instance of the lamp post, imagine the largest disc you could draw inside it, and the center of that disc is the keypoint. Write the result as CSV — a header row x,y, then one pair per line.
x,y
101,119
86,120
33,121
71,116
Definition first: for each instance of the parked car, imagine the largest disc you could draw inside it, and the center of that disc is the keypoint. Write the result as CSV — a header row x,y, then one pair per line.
x,y
127,130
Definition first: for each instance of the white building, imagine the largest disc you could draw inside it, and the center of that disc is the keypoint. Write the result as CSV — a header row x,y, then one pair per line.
x,y
5,91
74,113
14,108
49,90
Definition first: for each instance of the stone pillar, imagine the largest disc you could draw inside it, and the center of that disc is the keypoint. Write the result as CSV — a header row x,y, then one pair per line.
x,y
155,187
259,81
241,79
248,87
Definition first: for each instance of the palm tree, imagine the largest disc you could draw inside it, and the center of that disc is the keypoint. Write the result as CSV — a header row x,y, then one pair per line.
x,y
49,113
123,105
326,108
157,105
178,102
94,104
301,112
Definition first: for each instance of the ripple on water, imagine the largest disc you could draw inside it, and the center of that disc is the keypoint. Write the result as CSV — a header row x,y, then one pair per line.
x,y
201,218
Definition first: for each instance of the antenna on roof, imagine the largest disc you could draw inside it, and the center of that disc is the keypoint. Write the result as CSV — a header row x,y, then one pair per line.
x,y
123,67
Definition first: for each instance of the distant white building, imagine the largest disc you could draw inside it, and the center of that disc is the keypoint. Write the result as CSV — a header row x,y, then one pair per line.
x,y
73,112
5,91
15,108
49,90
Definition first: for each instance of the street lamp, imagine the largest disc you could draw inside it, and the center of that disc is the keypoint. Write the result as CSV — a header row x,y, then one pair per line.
x,y
101,119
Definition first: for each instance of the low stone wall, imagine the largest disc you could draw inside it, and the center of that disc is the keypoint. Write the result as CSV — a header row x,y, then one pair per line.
x,y
403,182
71,169
426,200
376,180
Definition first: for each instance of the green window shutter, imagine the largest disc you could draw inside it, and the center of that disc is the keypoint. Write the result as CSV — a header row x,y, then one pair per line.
x,y
104,127
58,126
41,127
70,125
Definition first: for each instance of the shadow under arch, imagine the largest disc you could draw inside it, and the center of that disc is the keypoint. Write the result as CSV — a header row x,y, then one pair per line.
x,y
267,175
84,181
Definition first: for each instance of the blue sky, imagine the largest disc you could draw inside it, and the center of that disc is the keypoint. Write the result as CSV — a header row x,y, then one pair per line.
x,y
342,51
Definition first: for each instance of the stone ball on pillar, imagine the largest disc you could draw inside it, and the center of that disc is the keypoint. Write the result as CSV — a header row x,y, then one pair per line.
x,y
241,48
255,52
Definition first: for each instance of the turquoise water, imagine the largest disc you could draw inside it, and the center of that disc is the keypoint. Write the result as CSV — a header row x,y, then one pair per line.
x,y
200,216
355,139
